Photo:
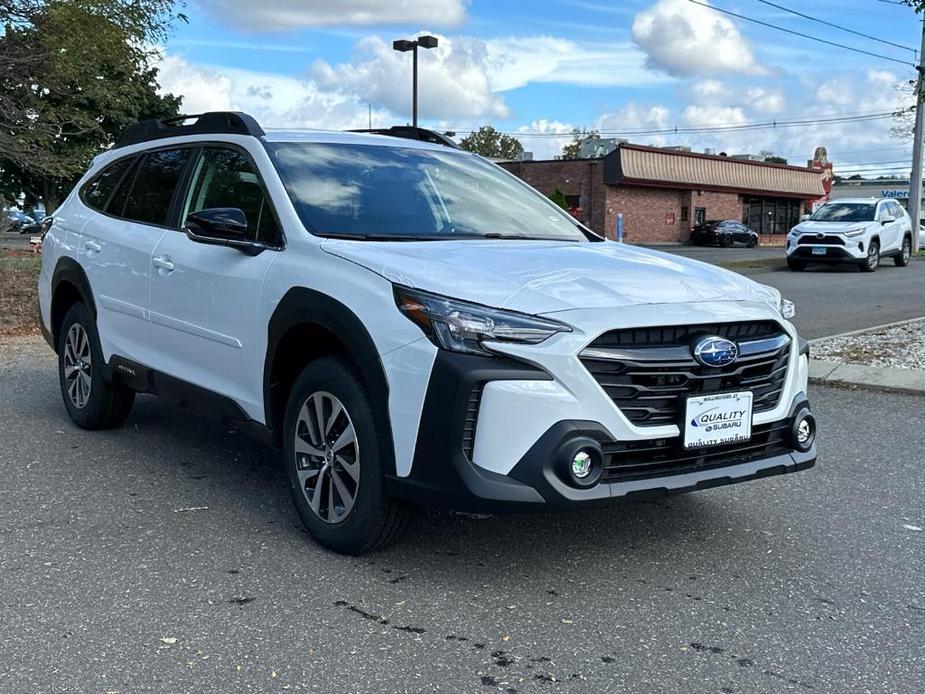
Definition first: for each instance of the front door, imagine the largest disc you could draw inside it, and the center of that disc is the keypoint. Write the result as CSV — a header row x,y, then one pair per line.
x,y
206,315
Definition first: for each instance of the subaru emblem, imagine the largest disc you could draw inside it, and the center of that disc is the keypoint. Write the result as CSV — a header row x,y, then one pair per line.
x,y
716,351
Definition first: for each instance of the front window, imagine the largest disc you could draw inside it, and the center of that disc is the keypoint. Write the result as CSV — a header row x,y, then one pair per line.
x,y
376,192
845,212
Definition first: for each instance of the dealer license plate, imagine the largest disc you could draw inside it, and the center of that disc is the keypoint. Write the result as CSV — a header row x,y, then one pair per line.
x,y
712,420
819,251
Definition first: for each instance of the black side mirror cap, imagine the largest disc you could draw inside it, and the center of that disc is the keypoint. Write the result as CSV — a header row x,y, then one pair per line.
x,y
221,226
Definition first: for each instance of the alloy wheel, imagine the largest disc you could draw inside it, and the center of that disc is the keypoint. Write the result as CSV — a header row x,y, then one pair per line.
x,y
907,251
327,457
78,364
873,256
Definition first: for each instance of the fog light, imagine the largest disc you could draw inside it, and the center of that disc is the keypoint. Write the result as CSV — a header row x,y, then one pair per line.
x,y
803,431
581,465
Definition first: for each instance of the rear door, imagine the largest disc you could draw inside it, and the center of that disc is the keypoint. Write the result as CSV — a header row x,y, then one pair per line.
x,y
206,311
890,233
116,247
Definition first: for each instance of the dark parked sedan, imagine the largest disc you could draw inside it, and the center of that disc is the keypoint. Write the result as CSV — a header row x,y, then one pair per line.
x,y
723,233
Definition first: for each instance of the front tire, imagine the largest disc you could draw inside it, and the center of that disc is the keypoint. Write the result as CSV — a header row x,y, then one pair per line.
x,y
334,457
905,254
91,401
872,261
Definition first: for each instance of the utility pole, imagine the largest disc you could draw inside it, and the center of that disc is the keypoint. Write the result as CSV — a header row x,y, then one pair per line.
x,y
915,185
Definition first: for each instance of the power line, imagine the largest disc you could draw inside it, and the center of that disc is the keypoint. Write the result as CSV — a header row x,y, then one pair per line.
x,y
802,35
836,26
685,130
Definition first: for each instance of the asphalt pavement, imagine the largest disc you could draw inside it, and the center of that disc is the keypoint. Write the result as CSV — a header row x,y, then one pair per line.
x,y
167,557
830,299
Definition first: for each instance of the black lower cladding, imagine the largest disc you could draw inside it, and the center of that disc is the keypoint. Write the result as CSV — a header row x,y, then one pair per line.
x,y
833,254
443,473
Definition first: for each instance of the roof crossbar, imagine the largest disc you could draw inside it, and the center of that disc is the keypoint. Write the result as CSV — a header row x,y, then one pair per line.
x,y
212,123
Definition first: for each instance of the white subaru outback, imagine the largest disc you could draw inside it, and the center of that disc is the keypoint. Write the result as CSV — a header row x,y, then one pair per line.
x,y
410,324
860,231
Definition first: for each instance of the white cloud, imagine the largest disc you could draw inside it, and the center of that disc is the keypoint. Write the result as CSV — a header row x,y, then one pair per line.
x,y
710,90
765,100
545,138
271,15
274,100
699,115
685,39
453,80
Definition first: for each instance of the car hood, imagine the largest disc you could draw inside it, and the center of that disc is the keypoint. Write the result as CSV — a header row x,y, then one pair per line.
x,y
548,276
809,227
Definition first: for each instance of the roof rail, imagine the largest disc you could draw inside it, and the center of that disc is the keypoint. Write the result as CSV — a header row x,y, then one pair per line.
x,y
409,132
212,123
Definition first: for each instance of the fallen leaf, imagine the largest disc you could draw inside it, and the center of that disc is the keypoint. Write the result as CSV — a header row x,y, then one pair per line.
x,y
913,528
169,640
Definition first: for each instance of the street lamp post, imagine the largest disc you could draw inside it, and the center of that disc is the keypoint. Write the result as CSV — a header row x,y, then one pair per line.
x,y
404,45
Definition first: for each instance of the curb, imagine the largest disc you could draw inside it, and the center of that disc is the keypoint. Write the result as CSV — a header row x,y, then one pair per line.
x,y
830,373
873,329
757,263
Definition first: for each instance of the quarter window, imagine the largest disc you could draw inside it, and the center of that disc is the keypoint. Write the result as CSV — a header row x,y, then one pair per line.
x,y
98,191
157,177
227,178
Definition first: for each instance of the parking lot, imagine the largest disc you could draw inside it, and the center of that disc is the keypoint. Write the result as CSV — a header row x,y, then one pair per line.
x,y
167,556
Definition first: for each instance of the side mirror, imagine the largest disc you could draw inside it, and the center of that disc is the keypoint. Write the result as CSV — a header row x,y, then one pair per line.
x,y
221,226
887,218
804,217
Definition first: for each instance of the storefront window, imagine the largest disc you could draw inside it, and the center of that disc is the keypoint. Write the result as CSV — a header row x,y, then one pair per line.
x,y
771,215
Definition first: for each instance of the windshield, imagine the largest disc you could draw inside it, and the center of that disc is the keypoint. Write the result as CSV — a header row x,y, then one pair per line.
x,y
845,212
370,192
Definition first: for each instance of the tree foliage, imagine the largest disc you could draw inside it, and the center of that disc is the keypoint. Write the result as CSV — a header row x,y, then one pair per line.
x,y
490,143
73,74
558,197
774,159
579,135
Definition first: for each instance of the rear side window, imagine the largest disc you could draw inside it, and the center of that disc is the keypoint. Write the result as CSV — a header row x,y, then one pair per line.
x,y
154,186
227,178
98,191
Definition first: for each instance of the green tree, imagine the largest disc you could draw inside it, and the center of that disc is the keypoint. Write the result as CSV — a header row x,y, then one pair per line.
x,y
490,143
579,135
773,159
73,74
558,197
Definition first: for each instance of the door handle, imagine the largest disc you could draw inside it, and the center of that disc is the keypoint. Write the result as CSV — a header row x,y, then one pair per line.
x,y
163,262
93,246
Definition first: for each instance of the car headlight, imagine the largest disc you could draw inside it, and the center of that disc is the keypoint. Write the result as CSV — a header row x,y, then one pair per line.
x,y
460,326
855,232
787,309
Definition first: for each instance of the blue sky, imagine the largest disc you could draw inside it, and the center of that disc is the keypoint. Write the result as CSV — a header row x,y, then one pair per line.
x,y
538,69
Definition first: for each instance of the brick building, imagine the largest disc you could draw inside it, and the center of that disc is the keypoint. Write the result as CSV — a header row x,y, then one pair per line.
x,y
662,193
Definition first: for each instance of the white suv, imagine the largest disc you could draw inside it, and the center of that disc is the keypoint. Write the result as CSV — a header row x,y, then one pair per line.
x,y
859,231
410,324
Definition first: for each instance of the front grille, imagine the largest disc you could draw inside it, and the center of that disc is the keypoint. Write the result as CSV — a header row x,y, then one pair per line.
x,y
649,372
632,460
472,416
813,240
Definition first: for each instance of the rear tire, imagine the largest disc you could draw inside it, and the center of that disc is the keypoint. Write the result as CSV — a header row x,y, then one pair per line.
x,y
905,254
334,456
796,265
91,401
872,261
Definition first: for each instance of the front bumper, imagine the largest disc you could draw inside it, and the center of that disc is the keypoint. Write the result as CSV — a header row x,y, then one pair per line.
x,y
851,252
443,472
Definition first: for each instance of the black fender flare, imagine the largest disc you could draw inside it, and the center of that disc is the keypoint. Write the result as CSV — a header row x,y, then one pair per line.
x,y
302,306
67,270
